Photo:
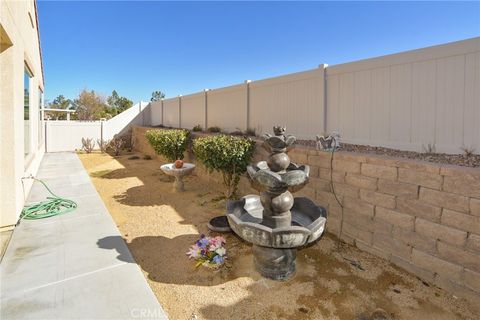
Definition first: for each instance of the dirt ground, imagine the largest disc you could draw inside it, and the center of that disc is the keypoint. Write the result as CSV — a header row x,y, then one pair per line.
x,y
332,282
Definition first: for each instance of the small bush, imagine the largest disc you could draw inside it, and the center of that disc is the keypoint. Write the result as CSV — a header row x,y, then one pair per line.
x,y
128,141
429,148
467,151
103,145
116,145
214,129
88,144
197,128
169,143
229,155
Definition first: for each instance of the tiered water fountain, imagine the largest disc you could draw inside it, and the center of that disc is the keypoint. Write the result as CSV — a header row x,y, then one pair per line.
x,y
275,222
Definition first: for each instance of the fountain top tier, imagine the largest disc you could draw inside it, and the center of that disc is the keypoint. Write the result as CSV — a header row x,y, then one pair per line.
x,y
278,174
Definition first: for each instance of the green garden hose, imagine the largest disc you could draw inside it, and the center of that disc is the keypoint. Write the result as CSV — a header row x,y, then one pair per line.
x,y
53,206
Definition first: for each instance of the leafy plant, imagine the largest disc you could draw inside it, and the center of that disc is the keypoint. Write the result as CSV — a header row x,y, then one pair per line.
x,y
467,151
116,145
197,128
229,155
169,143
429,148
88,144
214,129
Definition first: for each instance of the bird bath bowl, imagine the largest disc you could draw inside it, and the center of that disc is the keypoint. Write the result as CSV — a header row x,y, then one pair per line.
x,y
178,173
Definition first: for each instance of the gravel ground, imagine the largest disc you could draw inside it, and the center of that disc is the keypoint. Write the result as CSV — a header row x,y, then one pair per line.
x,y
333,281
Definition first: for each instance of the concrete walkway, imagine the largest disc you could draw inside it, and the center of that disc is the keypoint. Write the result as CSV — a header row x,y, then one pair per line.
x,y
74,266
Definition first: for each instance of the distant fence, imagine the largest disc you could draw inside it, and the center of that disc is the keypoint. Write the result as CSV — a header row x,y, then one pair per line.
x,y
67,135
406,101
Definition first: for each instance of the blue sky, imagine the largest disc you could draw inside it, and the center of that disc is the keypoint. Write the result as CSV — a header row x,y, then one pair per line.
x,y
184,47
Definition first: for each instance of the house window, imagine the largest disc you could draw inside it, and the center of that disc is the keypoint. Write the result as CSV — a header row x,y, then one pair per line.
x,y
26,110
40,117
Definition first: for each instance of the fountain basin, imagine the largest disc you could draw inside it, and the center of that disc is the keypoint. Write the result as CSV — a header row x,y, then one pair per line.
x,y
308,223
178,173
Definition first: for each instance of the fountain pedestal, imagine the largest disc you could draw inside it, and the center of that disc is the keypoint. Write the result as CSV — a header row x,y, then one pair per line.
x,y
178,173
277,264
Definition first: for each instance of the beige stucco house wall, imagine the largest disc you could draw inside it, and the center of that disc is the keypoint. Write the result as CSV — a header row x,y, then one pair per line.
x,y
21,137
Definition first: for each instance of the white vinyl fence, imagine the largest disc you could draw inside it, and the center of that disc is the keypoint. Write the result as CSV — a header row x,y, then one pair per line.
x,y
405,101
67,135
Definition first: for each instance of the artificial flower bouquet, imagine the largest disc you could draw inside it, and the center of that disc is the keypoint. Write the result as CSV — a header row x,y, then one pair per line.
x,y
208,251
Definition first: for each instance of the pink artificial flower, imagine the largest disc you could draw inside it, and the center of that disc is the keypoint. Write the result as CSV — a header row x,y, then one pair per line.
x,y
193,252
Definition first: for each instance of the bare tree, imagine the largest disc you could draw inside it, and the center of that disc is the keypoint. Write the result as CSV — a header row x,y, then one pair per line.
x,y
90,106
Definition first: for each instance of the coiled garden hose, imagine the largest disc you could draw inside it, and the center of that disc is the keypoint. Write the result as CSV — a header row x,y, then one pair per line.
x,y
53,206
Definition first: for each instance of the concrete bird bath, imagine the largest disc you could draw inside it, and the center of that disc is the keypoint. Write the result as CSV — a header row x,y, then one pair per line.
x,y
275,222
178,173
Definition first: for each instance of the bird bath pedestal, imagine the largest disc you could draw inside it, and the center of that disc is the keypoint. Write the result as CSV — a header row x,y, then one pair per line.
x,y
178,173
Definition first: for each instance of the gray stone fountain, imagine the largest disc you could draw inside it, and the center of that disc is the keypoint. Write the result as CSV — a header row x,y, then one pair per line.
x,y
275,222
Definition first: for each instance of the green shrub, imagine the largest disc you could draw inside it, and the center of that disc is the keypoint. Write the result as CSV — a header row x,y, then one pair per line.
x,y
197,128
214,129
229,155
169,143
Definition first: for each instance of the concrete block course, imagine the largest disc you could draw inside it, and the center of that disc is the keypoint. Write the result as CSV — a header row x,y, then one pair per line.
x,y
412,268
346,166
461,221
357,233
358,206
421,178
475,207
439,266
327,175
361,182
459,256
444,199
415,239
372,249
379,171
440,232
419,209
346,190
472,280
321,160
399,189
473,243
391,245
396,218
463,183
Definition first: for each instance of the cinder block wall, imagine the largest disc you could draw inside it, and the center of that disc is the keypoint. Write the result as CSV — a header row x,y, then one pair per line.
x,y
423,217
